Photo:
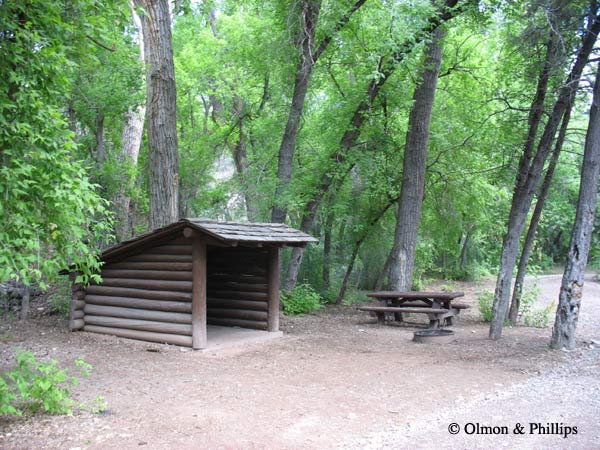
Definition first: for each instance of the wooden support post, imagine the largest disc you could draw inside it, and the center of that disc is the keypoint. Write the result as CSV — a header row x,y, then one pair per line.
x,y
273,283
198,294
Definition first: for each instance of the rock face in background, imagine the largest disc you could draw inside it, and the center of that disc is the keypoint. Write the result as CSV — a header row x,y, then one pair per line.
x,y
11,294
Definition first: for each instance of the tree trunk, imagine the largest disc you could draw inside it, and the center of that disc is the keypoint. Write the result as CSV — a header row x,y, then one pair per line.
x,y
535,220
328,229
309,54
447,11
383,275
100,153
464,251
25,303
309,15
131,140
402,264
161,112
526,184
571,291
240,158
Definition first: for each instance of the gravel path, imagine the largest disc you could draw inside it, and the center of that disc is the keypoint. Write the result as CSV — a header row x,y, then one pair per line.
x,y
559,409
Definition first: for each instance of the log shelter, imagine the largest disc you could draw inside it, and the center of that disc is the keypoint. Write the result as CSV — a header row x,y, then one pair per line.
x,y
166,285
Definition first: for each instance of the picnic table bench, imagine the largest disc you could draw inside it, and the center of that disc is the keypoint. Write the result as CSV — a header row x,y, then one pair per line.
x,y
438,306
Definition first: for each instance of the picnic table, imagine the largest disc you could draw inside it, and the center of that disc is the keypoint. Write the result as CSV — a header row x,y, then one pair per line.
x,y
439,306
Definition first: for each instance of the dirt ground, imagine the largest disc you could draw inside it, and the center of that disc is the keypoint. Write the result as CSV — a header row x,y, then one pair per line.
x,y
336,380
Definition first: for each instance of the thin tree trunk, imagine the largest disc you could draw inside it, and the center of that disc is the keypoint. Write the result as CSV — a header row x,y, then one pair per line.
x,y
328,229
464,251
100,153
309,54
526,185
25,303
571,291
309,15
402,264
131,140
161,112
447,11
535,220
383,275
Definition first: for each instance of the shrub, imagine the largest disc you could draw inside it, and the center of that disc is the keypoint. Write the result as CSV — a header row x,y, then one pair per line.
x,y
33,386
60,299
301,300
486,302
539,318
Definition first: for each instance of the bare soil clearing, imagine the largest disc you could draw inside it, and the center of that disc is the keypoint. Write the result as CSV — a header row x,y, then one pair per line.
x,y
336,380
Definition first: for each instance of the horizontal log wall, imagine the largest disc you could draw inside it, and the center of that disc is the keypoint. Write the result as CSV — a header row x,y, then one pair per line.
x,y
76,307
146,296
237,289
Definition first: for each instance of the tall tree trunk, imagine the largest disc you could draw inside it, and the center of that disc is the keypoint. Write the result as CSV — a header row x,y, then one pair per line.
x,y
386,68
571,291
100,152
527,183
535,220
25,302
161,112
383,275
131,140
327,232
402,264
309,16
358,243
240,158
464,250
309,54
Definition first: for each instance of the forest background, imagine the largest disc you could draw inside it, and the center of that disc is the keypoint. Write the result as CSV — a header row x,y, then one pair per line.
x,y
302,111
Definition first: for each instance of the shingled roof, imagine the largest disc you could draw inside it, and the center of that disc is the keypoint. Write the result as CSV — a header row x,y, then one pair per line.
x,y
233,233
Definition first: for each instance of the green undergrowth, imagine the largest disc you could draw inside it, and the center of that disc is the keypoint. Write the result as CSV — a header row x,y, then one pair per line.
x,y
301,300
528,315
34,386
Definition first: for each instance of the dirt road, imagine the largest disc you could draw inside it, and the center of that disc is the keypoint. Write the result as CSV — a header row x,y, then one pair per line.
x,y
337,380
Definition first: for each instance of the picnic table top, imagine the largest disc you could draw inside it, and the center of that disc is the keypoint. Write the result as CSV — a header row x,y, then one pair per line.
x,y
416,295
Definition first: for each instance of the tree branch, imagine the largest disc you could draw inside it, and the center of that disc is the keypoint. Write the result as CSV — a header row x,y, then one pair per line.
x,y
338,26
100,44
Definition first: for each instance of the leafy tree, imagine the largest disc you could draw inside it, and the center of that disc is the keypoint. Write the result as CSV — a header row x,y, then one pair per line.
x,y
51,214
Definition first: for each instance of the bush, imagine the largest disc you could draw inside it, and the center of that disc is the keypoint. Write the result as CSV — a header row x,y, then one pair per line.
x,y
539,318
33,386
301,300
60,300
486,302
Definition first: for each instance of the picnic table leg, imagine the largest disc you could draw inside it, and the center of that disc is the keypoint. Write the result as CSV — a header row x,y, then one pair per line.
x,y
398,317
380,317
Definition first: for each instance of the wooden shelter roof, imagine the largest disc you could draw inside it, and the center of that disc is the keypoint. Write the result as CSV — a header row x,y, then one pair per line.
x,y
226,233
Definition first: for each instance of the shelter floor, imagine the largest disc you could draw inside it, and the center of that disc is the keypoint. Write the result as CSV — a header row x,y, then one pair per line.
x,y
226,337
